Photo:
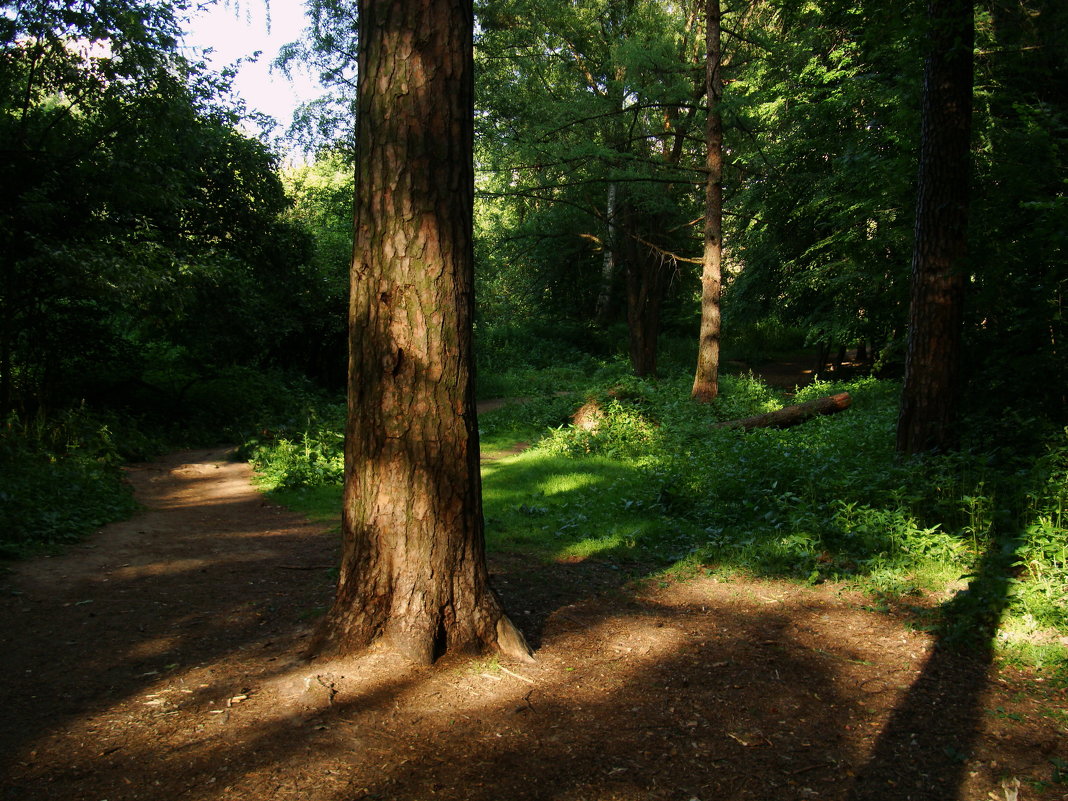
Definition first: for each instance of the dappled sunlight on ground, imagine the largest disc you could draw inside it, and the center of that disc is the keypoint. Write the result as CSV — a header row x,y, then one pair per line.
x,y
170,665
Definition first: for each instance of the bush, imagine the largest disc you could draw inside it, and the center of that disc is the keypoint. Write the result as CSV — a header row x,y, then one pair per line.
x,y
59,481
1042,555
310,453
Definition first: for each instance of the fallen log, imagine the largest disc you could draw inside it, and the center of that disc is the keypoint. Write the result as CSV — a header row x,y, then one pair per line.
x,y
792,415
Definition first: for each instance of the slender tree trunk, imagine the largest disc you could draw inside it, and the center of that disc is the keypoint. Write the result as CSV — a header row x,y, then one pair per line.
x,y
645,299
608,265
706,379
7,340
413,570
928,418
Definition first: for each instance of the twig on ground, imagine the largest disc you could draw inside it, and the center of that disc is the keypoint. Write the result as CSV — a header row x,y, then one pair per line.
x,y
516,675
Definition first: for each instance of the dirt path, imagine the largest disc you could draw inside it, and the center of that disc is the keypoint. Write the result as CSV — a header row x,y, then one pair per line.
x,y
162,661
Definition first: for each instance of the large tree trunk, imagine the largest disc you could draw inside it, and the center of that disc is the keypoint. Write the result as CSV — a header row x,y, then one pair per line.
x,y
928,418
706,378
413,570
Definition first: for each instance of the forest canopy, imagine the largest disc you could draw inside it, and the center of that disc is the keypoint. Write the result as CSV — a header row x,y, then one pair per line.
x,y
145,232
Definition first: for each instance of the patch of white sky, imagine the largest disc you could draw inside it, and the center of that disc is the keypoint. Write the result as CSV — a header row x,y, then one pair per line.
x,y
235,30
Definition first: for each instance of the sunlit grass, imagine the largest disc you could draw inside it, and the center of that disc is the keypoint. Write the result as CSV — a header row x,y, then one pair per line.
x,y
319,503
656,486
503,441
594,546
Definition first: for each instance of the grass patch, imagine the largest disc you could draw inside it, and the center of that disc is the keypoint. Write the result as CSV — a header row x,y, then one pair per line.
x,y
560,507
654,483
320,503
526,420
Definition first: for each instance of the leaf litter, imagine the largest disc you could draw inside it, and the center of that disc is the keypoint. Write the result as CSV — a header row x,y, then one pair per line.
x,y
188,681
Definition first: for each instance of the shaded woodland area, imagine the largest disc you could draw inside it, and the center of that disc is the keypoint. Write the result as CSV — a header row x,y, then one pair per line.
x,y
151,245
565,206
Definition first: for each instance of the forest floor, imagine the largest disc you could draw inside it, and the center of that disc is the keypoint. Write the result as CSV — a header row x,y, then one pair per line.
x,y
163,659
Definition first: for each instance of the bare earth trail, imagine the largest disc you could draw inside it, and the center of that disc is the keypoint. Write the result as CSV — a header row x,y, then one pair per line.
x,y
162,660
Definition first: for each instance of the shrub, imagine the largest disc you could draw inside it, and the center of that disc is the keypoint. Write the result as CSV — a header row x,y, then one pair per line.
x,y
308,454
59,481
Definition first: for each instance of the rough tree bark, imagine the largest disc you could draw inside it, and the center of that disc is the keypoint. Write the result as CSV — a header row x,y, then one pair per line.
x,y
706,378
929,400
413,570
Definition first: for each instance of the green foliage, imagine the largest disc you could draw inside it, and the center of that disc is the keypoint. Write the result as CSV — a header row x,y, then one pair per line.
x,y
304,452
758,341
228,403
1018,240
1042,553
327,48
831,500
559,507
822,213
60,474
617,430
543,351
654,486
59,481
322,195
318,502
589,160
157,265
524,419
585,157
140,220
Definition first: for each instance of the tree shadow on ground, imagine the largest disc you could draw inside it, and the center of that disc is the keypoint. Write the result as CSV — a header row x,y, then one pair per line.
x,y
924,751
648,703
742,690
194,578
533,589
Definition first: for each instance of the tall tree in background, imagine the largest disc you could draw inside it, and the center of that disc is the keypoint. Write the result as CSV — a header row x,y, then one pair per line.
x,y
413,570
77,86
577,99
706,380
1015,321
932,368
327,48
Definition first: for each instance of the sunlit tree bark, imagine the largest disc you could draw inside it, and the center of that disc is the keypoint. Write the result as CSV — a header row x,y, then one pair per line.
x,y
413,570
706,379
928,418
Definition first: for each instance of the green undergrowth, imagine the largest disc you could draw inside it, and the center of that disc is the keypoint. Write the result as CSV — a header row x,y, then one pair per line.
x,y
60,480
566,508
525,420
971,544
301,452
320,503
60,470
531,383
